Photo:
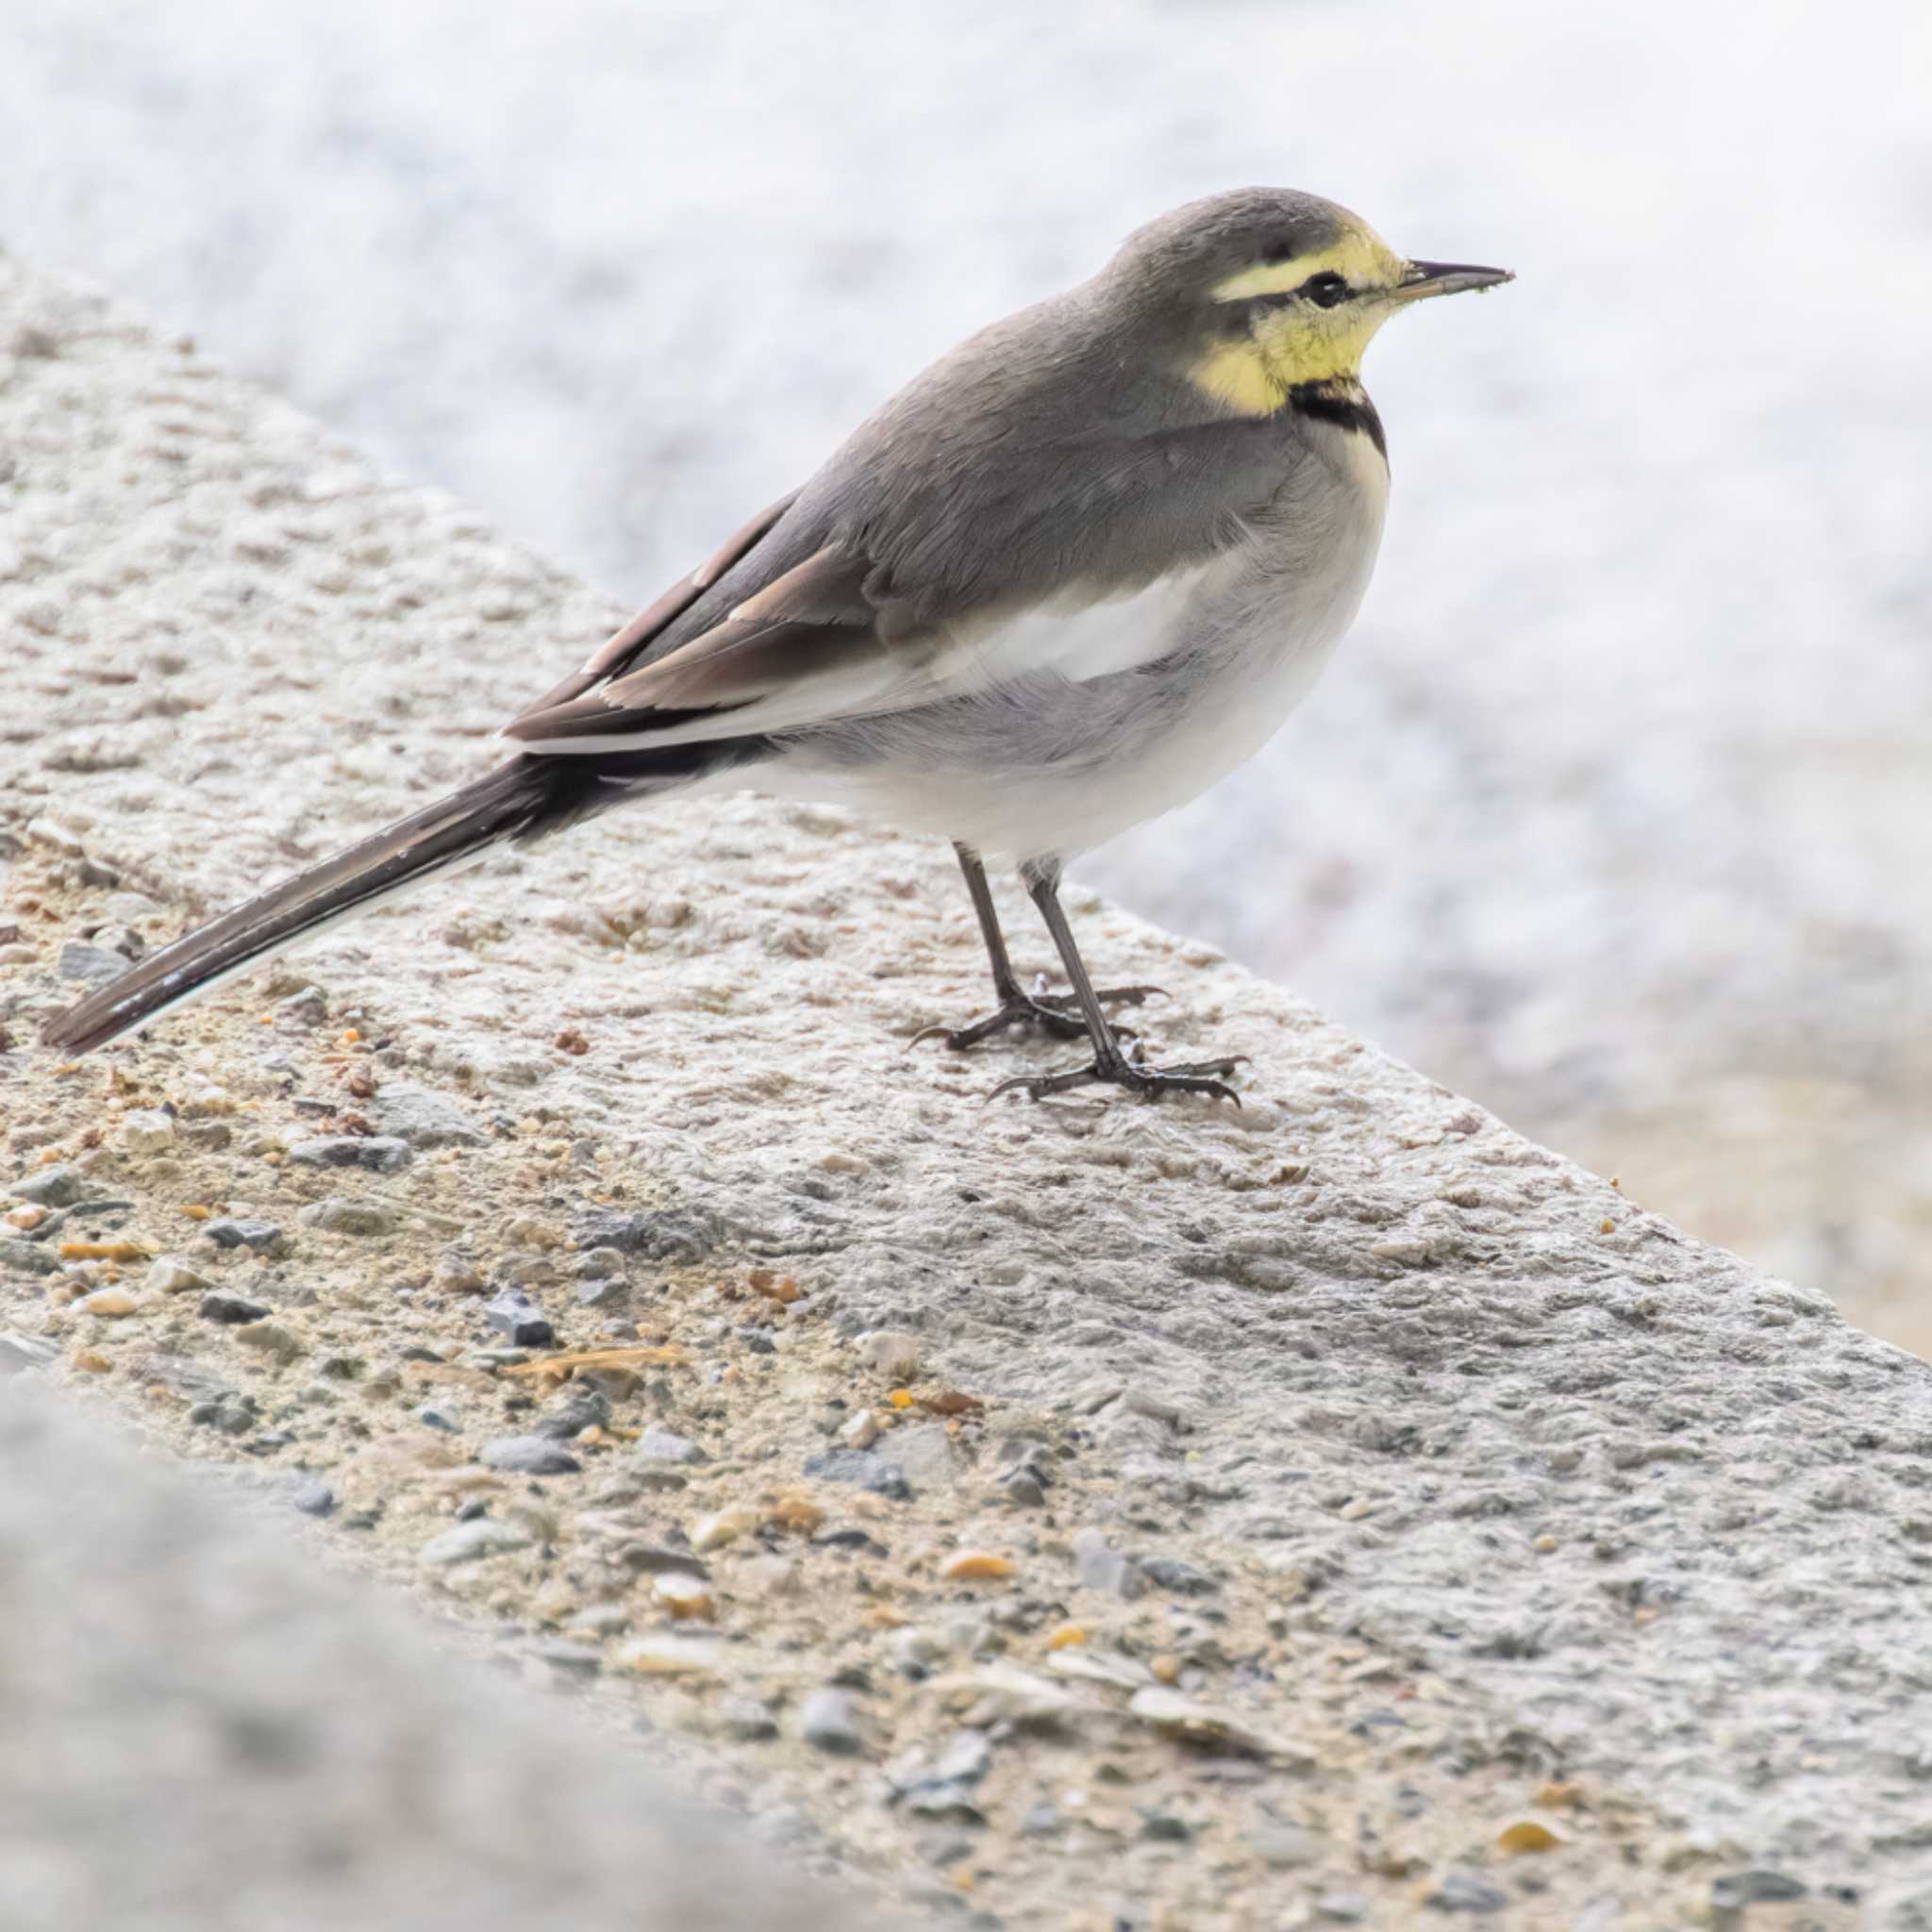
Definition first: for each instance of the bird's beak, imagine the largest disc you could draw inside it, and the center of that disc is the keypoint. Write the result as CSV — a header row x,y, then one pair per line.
x,y
1422,280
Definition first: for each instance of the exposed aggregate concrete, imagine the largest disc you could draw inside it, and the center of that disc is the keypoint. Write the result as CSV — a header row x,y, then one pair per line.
x,y
1087,1513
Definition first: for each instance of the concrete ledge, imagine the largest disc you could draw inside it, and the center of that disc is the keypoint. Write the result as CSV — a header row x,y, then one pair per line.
x,y
211,1731
1445,1484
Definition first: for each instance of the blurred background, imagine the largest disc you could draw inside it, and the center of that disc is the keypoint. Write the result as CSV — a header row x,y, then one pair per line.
x,y
1616,812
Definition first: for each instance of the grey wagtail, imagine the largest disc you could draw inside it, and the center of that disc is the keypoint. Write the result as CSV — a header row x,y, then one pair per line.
x,y
1063,581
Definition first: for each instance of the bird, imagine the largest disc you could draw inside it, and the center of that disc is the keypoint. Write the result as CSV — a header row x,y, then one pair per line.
x,y
1069,576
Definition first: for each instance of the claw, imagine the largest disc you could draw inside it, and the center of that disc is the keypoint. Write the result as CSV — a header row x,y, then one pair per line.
x,y
1197,1076
1052,1015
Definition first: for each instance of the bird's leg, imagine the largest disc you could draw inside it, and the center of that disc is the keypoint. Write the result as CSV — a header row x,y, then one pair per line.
x,y
1056,1013
1110,1064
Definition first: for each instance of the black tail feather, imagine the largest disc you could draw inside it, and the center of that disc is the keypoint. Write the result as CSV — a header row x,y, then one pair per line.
x,y
522,800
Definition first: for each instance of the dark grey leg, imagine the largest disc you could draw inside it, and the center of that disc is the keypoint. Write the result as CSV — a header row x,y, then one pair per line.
x,y
1110,1064
1054,1013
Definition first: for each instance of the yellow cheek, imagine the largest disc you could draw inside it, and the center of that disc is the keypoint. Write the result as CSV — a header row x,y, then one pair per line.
x,y
1289,349
1238,375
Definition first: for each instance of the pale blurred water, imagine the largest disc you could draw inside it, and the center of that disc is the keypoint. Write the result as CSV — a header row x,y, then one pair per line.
x,y
1616,810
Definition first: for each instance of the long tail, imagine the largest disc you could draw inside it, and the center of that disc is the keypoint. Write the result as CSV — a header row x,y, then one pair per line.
x,y
522,800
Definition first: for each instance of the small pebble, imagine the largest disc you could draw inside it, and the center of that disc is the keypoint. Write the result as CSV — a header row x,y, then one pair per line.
x,y
529,1456
148,1130
684,1595
53,1187
378,1153
861,1466
1181,1578
261,1237
670,1657
827,1723
91,965
230,1310
661,1446
860,1431
467,1542
514,1314
1344,1907
747,1721
1531,1834
108,1301
315,1499
975,1566
1102,1567
723,1526
1464,1892
894,1354
272,1338
170,1276
340,1215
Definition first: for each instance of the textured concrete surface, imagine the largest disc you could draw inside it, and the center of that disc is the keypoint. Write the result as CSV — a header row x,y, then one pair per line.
x,y
1648,1515
211,1731
1611,813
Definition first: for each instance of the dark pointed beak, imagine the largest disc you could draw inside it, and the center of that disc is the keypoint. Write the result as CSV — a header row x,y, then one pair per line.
x,y
1422,280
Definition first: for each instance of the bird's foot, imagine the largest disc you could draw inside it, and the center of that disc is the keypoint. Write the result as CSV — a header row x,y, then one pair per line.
x,y
1120,1070
1057,1014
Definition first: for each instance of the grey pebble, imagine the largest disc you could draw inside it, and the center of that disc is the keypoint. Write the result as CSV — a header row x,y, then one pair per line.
x,y
599,1263
529,1456
1756,1886
572,1413
1039,1820
52,1186
1102,1567
340,1215
683,1234
1184,1579
230,1310
94,965
378,1153
863,1467
308,1008
315,1499
924,1455
425,1118
1164,1827
261,1237
827,1723
748,1721
661,1445
1464,1892
230,1414
432,1417
28,1259
965,1760
485,1537
1287,1846
1344,1907
514,1314
602,1291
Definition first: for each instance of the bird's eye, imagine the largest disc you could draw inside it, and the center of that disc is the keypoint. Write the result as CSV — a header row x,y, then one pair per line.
x,y
1326,289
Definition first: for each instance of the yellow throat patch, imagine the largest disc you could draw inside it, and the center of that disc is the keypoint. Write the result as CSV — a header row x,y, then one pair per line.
x,y
1298,343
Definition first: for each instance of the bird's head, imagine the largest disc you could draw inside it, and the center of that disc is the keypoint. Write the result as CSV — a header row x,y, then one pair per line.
x,y
1265,290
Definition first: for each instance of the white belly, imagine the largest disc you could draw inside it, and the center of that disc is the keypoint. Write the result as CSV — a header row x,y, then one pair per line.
x,y
1077,739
